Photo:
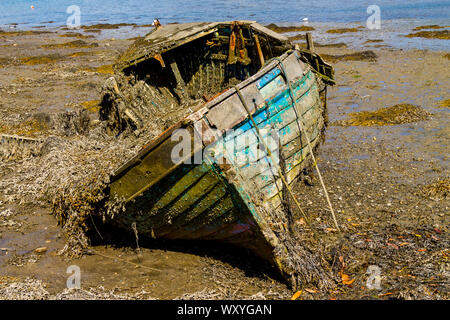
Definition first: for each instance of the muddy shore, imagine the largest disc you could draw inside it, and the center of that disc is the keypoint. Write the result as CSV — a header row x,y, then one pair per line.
x,y
388,182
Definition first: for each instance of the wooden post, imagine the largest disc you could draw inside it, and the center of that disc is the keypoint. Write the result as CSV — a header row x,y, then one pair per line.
x,y
309,42
177,74
181,85
258,48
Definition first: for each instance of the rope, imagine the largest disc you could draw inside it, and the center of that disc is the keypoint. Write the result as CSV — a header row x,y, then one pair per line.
x,y
90,250
93,251
269,153
302,128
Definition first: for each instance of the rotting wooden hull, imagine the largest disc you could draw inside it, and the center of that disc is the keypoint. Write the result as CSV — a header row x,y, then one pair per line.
x,y
232,202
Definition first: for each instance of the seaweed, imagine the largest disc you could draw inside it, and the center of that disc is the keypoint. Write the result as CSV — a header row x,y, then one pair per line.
x,y
343,30
438,190
71,44
397,114
43,59
281,29
443,34
356,56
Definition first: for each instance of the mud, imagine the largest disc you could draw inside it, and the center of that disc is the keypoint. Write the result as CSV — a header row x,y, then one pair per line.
x,y
23,33
388,185
6,62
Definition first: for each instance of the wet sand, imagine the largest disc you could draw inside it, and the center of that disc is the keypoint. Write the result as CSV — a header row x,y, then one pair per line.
x,y
379,178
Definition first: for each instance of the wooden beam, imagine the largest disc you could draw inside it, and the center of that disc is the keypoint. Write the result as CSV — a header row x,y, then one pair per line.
x,y
309,42
181,85
258,49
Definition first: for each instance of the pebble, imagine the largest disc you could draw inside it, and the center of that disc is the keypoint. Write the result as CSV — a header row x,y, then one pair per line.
x,y
41,250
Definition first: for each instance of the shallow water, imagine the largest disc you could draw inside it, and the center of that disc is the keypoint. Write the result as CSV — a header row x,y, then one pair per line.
x,y
114,11
398,18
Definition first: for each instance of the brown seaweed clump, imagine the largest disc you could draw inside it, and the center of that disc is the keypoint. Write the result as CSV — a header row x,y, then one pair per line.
x,y
439,190
76,35
104,69
343,30
373,41
108,26
23,33
49,58
443,34
71,44
280,29
31,128
320,45
445,103
398,114
357,56
433,26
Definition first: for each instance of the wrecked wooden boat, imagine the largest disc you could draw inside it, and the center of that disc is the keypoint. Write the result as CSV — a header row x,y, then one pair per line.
x,y
239,85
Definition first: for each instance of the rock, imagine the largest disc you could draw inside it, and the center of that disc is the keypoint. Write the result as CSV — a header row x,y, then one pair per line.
x,y
41,250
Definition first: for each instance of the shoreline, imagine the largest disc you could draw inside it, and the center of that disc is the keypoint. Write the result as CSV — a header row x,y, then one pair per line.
x,y
393,33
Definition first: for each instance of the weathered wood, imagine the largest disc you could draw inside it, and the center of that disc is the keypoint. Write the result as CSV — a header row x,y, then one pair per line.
x,y
13,137
258,49
309,42
239,203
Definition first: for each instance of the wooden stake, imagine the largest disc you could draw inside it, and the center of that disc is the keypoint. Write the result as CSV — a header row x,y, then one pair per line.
x,y
258,49
309,42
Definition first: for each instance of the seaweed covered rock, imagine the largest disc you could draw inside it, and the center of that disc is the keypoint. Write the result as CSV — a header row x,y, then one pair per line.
x,y
398,114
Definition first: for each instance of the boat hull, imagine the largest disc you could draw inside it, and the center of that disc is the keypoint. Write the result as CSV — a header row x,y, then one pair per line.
x,y
232,194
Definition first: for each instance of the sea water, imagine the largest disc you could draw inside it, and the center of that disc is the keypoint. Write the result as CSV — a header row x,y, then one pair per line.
x,y
398,17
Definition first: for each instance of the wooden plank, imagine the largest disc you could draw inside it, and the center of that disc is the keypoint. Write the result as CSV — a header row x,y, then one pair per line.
x,y
258,49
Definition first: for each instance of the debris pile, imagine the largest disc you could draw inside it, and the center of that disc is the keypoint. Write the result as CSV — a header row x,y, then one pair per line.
x,y
71,167
439,190
357,56
442,34
27,138
133,106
